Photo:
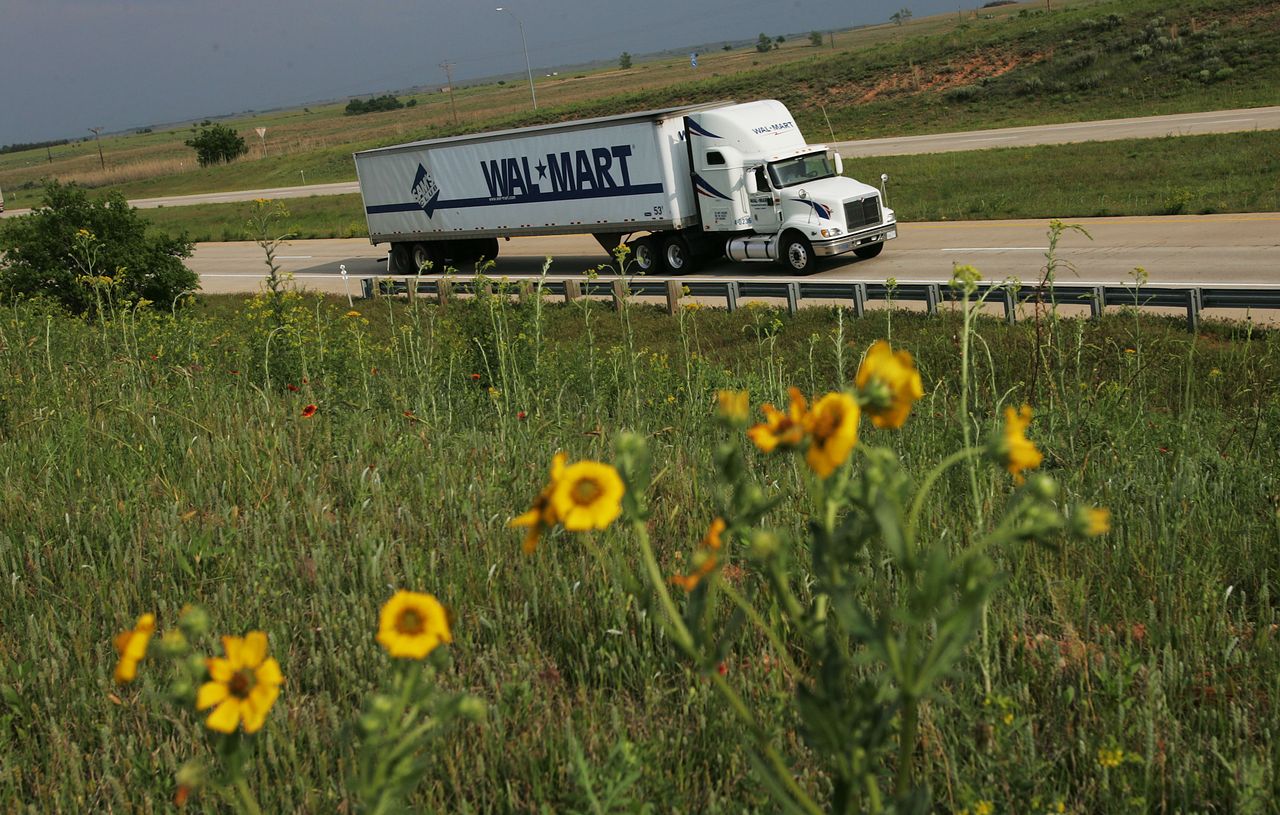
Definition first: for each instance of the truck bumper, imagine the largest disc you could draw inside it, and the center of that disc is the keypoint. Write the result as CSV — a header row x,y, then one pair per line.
x,y
847,243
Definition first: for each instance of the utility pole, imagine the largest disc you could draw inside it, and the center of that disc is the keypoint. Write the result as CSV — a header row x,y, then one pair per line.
x,y
448,72
528,70
95,131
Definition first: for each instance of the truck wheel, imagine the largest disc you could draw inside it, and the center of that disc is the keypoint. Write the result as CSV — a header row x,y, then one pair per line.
x,y
869,251
644,257
675,255
424,254
401,259
797,254
488,248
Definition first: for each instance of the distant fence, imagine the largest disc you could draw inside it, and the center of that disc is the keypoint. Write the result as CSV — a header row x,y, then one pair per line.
x,y
857,295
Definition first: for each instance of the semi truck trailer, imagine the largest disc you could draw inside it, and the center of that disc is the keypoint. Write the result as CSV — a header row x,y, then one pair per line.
x,y
679,186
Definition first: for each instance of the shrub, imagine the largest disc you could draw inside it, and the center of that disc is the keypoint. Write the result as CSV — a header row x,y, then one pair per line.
x,y
216,143
91,254
376,104
962,93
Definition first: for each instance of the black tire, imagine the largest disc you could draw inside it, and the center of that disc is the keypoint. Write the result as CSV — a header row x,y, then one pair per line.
x,y
644,255
797,254
676,257
488,248
424,258
401,259
869,251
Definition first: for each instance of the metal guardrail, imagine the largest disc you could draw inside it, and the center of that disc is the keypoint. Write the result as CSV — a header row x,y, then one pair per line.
x,y
857,295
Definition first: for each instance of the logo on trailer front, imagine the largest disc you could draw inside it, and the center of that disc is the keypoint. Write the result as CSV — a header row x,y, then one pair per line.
x,y
425,191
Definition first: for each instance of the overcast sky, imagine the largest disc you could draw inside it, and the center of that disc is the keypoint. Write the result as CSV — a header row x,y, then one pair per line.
x,y
66,65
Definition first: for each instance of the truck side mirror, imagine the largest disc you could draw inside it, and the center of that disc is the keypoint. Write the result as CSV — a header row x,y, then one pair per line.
x,y
752,186
839,164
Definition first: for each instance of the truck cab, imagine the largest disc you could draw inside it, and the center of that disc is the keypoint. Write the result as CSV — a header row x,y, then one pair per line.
x,y
775,197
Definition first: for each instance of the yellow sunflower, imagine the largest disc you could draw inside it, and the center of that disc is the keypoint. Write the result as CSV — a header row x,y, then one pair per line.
x,y
587,495
131,645
780,429
890,384
242,686
735,406
541,516
412,625
833,426
1017,453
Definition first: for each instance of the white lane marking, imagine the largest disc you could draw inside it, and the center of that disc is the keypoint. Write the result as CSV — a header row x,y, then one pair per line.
x,y
996,249
992,138
1223,121
293,257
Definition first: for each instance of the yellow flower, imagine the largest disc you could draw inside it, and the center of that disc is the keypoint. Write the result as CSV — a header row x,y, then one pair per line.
x,y
587,495
352,313
1016,452
780,429
984,807
242,687
412,625
1110,757
542,515
706,560
735,406
833,424
890,382
131,645
1097,521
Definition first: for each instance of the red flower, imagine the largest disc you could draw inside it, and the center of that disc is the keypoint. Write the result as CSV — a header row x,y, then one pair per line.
x,y
233,371
309,411
522,415
475,377
306,381
722,669
292,387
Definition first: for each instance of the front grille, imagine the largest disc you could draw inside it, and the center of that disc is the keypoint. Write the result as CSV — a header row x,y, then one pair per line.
x,y
862,213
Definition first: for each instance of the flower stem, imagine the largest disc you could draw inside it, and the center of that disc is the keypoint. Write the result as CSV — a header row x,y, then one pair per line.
x,y
758,621
917,504
249,803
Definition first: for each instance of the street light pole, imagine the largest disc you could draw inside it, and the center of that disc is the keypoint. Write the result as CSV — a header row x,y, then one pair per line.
x,y
528,70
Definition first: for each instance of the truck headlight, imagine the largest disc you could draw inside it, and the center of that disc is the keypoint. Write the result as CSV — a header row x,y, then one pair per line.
x,y
831,232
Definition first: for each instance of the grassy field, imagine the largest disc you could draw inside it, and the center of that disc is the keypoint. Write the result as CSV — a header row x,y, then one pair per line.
x,y
1013,65
153,461
1189,174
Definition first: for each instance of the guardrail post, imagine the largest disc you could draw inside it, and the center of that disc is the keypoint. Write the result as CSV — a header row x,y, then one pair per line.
x,y
444,291
411,287
1010,306
931,297
859,300
366,287
1097,302
1194,304
731,295
793,298
619,288
674,292
572,290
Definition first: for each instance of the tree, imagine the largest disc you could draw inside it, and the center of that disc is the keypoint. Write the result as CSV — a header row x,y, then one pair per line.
x,y
624,61
900,16
91,254
216,143
815,39
764,44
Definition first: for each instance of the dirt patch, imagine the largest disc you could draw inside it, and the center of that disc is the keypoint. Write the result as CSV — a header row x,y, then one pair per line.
x,y
936,77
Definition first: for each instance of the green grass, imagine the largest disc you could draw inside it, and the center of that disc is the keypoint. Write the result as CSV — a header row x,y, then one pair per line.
x,y
1174,175
150,462
1014,65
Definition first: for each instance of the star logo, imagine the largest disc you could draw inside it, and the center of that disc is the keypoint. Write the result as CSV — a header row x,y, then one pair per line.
x,y
542,170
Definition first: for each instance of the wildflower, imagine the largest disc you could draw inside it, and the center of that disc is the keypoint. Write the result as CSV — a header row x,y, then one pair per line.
x,y
735,406
984,807
475,377
1110,757
352,313
705,561
889,383
412,624
309,411
131,645
521,415
587,495
1215,372
778,428
1130,351
292,388
233,371
242,686
541,516
833,424
1090,522
1014,450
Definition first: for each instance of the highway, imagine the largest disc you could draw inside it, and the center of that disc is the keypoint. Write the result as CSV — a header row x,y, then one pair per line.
x,y
1180,124
1174,250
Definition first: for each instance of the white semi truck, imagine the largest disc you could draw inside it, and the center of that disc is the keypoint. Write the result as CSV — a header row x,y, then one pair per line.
x,y
680,186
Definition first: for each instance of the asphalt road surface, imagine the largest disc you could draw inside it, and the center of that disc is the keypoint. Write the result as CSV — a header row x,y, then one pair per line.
x,y
1174,250
1180,124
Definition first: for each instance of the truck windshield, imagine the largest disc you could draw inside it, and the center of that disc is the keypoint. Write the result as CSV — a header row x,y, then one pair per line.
x,y
800,169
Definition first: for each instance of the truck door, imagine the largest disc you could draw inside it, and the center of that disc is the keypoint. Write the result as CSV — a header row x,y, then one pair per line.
x,y
766,214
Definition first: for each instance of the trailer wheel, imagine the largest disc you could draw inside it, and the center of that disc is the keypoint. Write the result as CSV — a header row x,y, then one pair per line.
x,y
869,251
643,255
797,254
488,248
401,258
425,254
675,255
